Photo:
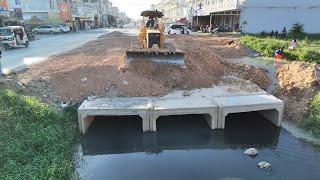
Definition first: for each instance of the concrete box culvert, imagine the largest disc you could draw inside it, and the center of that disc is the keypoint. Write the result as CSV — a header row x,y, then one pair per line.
x,y
214,108
113,107
184,106
267,105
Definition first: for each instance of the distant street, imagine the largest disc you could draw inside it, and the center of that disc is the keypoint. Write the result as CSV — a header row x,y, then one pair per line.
x,y
46,46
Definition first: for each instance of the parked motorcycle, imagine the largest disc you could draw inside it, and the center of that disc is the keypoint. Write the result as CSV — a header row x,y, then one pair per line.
x,y
31,36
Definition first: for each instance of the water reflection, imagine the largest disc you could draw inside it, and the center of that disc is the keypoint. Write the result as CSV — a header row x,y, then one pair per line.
x,y
185,148
115,135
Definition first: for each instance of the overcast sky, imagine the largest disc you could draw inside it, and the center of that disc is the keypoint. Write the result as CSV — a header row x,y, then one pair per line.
x,y
133,8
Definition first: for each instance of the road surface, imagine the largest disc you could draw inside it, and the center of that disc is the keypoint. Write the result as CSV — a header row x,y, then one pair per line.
x,y
42,49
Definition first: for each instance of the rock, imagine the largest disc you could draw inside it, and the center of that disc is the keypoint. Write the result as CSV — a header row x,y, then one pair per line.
x,y
125,82
264,165
84,79
186,93
251,152
91,98
65,104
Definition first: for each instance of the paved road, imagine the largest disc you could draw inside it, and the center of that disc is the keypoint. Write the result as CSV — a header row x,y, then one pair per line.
x,y
43,48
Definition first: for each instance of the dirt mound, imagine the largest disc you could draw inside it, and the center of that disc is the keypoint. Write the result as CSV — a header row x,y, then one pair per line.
x,y
98,68
297,87
254,74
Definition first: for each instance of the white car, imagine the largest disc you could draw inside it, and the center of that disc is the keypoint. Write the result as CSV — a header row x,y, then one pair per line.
x,y
63,29
178,29
46,29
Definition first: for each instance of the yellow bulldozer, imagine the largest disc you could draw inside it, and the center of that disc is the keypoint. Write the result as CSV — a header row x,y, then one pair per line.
x,y
151,42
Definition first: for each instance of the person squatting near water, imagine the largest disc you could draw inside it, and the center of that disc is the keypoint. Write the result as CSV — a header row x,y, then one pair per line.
x,y
279,56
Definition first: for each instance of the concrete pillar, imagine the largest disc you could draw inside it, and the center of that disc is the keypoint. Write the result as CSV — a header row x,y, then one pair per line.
x,y
273,115
211,120
210,20
84,122
145,122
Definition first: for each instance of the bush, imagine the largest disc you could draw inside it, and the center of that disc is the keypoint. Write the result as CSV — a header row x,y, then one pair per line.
x,y
36,142
297,29
268,45
312,124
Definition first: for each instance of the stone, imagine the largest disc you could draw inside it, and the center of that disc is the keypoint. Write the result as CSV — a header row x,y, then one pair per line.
x,y
125,82
186,93
65,104
251,152
84,79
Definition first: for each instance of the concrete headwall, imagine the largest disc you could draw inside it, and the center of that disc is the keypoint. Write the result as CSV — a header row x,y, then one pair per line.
x,y
274,15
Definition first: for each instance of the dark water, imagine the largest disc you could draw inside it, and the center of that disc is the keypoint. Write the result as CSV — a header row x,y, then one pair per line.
x,y
185,148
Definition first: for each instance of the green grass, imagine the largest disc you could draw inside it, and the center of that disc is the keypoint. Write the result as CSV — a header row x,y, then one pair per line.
x,y
36,141
312,124
308,47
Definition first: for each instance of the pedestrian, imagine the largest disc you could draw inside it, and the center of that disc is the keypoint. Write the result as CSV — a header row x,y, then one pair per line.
x,y
284,32
294,44
276,34
272,33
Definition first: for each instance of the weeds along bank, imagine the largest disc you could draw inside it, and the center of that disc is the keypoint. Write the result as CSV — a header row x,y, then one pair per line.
x,y
308,47
298,83
37,141
312,124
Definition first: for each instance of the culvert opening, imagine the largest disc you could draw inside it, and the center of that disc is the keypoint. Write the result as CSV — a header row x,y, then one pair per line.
x,y
113,135
181,122
115,124
272,116
251,129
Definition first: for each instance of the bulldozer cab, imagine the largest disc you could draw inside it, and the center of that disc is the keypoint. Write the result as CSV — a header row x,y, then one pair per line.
x,y
152,19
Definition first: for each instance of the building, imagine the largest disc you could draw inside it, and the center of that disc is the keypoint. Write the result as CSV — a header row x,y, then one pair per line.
x,y
90,13
173,10
255,16
49,11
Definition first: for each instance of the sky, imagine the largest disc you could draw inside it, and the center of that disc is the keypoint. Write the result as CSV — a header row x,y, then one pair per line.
x,y
133,8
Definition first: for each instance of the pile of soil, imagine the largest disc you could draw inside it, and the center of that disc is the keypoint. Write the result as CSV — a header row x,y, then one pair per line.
x,y
297,87
98,68
254,74
225,47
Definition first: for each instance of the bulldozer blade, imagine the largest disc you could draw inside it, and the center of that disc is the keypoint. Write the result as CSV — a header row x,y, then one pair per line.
x,y
169,57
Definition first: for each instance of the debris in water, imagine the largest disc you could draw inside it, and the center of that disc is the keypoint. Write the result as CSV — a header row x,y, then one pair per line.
x,y
264,165
251,152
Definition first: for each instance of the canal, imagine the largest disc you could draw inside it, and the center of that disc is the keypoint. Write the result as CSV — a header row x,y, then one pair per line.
x,y
185,148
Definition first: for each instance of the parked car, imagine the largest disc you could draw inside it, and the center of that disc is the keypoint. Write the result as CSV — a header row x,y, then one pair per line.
x,y
46,29
13,37
63,29
178,29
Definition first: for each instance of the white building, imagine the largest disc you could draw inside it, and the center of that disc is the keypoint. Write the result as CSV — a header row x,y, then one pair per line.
x,y
92,13
173,10
270,15
255,16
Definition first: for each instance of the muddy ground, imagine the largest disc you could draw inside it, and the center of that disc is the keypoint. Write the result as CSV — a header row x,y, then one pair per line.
x,y
98,68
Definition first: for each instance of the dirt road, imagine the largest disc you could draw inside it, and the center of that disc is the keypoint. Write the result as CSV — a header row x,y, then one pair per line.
x,y
97,69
